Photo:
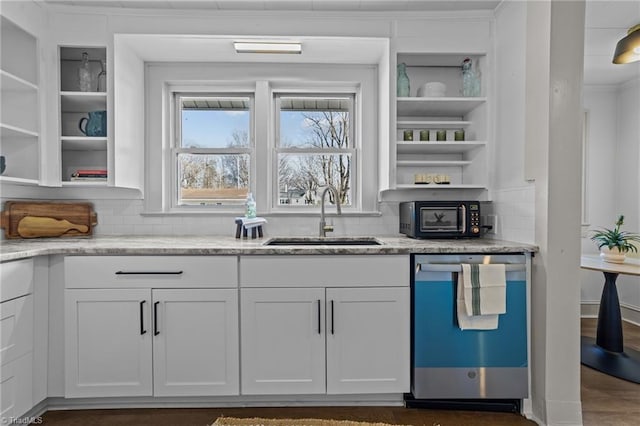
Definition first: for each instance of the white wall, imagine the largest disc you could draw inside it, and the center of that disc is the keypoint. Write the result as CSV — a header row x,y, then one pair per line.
x,y
613,182
513,197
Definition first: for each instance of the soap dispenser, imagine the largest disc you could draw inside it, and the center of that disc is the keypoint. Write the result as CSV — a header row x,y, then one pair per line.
x,y
250,206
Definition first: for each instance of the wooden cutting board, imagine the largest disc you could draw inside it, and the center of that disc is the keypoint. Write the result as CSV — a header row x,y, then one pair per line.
x,y
34,219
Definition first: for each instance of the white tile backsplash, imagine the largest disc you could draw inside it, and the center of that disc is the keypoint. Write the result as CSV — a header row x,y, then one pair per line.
x,y
515,209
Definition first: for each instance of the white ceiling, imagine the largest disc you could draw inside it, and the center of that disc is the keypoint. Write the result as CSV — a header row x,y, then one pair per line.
x,y
606,21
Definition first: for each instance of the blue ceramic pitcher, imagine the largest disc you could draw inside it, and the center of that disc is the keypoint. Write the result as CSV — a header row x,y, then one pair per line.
x,y
95,125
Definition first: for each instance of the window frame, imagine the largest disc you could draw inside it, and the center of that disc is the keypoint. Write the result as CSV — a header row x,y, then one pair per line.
x,y
176,148
353,150
163,78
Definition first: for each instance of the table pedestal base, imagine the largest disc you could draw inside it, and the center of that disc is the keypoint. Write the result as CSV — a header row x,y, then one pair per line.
x,y
624,365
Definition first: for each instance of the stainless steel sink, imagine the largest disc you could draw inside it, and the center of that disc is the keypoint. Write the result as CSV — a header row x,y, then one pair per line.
x,y
327,241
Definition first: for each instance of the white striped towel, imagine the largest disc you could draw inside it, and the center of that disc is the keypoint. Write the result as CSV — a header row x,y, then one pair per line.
x,y
481,296
485,289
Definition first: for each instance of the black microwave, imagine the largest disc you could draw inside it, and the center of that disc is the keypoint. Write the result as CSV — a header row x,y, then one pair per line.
x,y
440,219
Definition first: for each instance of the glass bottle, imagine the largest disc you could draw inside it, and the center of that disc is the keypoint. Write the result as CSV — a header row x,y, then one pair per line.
x,y
470,79
250,206
403,80
102,77
84,74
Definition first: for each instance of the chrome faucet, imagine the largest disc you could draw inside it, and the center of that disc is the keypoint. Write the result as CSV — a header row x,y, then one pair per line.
x,y
324,228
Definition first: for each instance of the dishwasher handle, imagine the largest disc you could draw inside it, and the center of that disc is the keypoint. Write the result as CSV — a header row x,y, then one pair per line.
x,y
456,267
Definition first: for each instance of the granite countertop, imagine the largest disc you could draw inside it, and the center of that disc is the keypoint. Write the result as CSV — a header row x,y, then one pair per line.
x,y
223,245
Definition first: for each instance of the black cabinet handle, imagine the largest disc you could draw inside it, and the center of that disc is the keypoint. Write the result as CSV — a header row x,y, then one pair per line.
x,y
332,330
155,319
319,318
149,272
142,330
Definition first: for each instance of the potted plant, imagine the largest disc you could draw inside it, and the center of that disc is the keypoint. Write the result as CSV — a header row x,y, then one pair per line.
x,y
614,243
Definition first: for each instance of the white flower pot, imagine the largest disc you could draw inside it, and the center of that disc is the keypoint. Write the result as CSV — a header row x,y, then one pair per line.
x,y
611,255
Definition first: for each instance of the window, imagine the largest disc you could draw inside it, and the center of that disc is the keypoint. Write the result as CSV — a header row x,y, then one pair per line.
x,y
281,131
315,147
212,149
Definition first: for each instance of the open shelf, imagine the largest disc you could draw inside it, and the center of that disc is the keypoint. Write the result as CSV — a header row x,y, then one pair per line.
x,y
83,143
12,82
83,101
432,163
438,107
431,186
438,147
8,131
442,124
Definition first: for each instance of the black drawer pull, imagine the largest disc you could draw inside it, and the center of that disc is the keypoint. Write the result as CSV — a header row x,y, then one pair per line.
x,y
149,272
142,330
155,319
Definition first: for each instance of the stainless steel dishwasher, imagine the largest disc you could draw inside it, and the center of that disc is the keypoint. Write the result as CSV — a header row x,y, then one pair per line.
x,y
452,364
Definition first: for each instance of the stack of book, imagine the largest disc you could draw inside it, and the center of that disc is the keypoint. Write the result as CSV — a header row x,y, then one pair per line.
x,y
90,175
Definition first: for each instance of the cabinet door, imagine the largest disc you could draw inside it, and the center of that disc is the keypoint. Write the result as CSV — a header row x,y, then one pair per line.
x,y
283,341
368,342
195,348
108,342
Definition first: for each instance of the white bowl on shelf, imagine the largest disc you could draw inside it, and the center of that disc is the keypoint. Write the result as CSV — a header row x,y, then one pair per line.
x,y
432,89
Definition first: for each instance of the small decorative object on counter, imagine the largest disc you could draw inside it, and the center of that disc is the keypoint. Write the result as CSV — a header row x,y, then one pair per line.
x,y
407,135
250,207
422,178
403,88
84,74
102,77
458,135
424,135
441,179
470,79
243,224
441,135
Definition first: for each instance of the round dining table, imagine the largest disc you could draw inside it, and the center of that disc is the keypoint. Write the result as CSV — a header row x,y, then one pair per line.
x,y
606,352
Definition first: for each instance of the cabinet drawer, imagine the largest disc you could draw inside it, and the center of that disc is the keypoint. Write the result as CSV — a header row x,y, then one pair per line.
x,y
16,278
16,328
150,271
16,385
325,271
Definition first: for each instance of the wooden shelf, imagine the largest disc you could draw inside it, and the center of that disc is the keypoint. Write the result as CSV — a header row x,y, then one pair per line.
x,y
432,163
438,107
8,131
417,124
21,181
447,147
431,186
11,82
83,143
84,183
83,101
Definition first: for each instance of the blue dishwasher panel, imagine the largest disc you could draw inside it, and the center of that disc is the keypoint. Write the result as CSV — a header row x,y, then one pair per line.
x,y
439,342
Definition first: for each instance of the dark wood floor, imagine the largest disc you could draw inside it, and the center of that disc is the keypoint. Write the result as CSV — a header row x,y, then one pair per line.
x,y
605,401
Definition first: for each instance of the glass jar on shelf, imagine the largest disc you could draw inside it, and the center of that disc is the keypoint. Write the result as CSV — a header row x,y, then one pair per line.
x,y
102,77
84,74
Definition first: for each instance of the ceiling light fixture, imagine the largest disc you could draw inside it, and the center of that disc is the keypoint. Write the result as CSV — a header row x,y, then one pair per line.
x,y
628,48
268,47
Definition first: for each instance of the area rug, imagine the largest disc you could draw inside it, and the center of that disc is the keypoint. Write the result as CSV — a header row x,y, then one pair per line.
x,y
256,421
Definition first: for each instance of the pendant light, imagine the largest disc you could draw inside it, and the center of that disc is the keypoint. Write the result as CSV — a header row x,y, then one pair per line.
x,y
628,48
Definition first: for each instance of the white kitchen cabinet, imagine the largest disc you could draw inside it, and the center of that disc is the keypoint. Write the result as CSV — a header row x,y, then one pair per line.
x,y
462,163
108,342
368,340
317,340
195,345
138,329
19,99
16,338
283,341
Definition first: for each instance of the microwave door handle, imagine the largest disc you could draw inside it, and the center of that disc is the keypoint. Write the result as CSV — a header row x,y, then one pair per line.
x,y
463,211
